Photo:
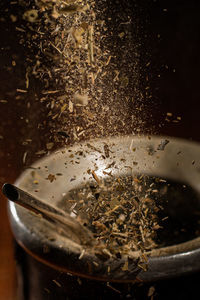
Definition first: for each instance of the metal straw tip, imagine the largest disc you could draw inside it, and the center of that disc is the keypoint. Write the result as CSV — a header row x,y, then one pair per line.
x,y
10,191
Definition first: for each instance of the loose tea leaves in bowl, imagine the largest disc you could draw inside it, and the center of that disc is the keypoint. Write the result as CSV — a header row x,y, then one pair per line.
x,y
141,213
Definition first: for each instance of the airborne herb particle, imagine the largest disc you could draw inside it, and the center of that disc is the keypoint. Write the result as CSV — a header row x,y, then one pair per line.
x,y
51,177
162,145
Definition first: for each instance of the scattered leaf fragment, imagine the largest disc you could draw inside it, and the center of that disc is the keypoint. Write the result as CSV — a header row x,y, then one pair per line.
x,y
51,177
151,291
31,15
162,145
125,266
80,100
49,146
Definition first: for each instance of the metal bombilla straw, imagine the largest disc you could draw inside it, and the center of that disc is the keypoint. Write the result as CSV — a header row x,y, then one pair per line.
x,y
67,225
